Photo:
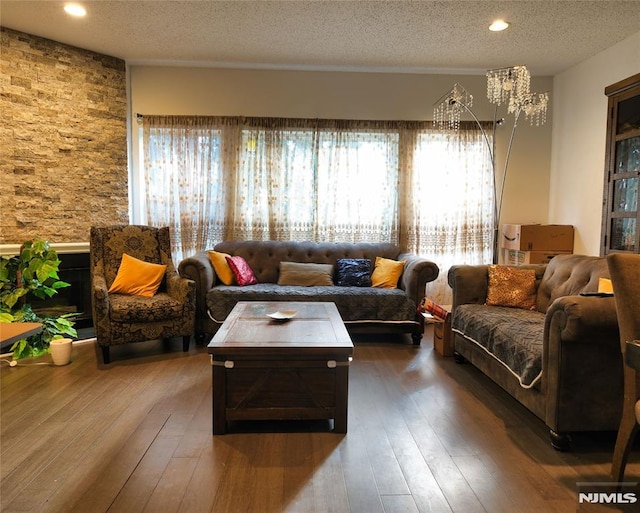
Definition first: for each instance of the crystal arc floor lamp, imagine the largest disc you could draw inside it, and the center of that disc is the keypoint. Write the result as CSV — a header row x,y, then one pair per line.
x,y
508,86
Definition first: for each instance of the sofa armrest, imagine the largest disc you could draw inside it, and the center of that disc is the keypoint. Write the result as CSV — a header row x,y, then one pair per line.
x,y
418,271
181,288
100,307
469,284
582,319
582,363
198,268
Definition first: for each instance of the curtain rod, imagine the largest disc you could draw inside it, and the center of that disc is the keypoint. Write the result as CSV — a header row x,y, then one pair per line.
x,y
140,118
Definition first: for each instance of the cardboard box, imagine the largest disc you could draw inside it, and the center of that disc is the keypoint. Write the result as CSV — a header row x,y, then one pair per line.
x,y
537,237
442,338
515,257
442,334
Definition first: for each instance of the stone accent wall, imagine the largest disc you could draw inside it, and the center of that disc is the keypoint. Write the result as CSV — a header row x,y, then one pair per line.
x,y
63,140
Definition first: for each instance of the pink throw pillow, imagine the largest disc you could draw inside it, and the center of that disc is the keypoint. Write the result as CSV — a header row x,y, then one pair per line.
x,y
241,271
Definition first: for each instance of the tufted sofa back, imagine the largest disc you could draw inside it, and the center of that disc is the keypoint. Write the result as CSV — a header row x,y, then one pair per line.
x,y
569,275
264,257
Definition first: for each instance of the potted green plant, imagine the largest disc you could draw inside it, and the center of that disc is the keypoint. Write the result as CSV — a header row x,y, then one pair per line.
x,y
34,272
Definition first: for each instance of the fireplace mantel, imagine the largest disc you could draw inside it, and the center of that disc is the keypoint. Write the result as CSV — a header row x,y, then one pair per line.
x,y
7,250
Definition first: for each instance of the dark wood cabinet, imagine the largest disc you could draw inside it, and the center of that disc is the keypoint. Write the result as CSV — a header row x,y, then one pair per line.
x,y
621,217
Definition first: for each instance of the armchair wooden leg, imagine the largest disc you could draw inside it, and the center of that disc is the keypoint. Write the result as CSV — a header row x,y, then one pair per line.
x,y
186,341
106,357
628,424
624,442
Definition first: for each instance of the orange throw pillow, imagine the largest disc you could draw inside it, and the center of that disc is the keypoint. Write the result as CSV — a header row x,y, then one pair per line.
x,y
137,278
386,273
605,286
221,267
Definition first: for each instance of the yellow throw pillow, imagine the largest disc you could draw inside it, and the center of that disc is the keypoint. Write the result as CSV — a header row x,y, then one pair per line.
x,y
508,286
137,278
386,273
221,267
605,286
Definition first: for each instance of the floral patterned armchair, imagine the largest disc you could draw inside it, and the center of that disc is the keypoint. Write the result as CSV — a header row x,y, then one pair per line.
x,y
122,319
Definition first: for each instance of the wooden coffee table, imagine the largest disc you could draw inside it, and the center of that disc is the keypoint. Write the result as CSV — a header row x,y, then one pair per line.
x,y
272,370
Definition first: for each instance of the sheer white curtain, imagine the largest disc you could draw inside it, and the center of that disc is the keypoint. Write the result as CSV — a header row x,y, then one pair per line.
x,y
357,171
449,214
183,179
211,179
273,183
219,178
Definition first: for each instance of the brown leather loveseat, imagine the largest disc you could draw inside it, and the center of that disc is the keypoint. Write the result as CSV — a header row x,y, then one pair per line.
x,y
562,359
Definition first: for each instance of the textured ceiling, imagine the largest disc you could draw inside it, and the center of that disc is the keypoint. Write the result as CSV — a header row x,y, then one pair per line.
x,y
402,36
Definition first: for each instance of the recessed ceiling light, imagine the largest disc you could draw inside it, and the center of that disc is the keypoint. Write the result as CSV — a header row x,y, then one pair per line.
x,y
499,25
75,10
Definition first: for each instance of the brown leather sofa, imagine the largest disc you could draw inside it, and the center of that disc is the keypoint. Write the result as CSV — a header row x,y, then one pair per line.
x,y
562,360
362,308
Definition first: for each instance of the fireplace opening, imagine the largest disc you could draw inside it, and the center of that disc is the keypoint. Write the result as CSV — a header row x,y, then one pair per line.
x,y
76,299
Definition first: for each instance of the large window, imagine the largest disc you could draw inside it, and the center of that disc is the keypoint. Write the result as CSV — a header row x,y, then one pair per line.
x,y
213,179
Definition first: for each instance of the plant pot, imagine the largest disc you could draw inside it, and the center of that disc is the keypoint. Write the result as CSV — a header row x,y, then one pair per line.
x,y
61,351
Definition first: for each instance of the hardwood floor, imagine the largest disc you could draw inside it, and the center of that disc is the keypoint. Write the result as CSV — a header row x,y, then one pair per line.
x,y
425,434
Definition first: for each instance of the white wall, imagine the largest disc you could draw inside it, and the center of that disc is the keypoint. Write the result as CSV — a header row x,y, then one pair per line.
x,y
579,137
347,95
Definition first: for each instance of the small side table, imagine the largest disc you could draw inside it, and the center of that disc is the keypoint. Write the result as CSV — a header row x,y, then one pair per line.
x,y
10,332
632,354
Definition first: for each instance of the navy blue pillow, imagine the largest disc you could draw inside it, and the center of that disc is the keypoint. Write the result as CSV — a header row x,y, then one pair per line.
x,y
353,272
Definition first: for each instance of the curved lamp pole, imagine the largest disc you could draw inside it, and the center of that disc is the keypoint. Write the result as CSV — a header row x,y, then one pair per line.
x,y
510,85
